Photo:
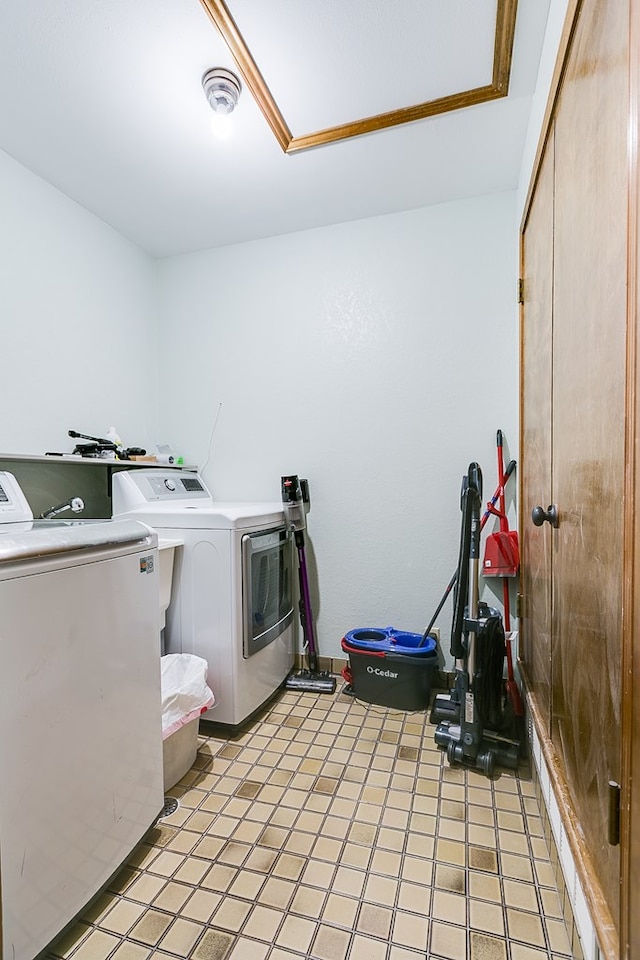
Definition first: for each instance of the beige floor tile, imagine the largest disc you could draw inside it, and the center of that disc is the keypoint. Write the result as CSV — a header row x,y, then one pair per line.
x,y
350,881
481,836
318,873
484,947
354,855
521,952
364,948
339,910
215,945
330,943
544,873
326,848
386,863
520,895
97,946
481,815
277,893
288,866
482,858
402,953
146,888
261,859
526,927
231,914
296,933
557,934
514,843
414,898
410,930
183,842
219,878
450,878
247,885
451,829
131,951
374,921
381,890
191,871
449,908
308,901
448,941
336,827
274,837
447,851
488,917
516,868
299,842
483,886
209,848
234,853
263,923
245,949
122,917
151,927
181,937
420,845
247,832
199,821
551,904
201,905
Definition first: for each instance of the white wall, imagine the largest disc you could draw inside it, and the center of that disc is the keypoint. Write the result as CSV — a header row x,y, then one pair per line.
x,y
375,358
548,57
78,323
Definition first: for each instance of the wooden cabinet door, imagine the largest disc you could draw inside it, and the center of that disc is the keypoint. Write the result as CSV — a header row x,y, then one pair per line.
x,y
588,422
535,423
574,366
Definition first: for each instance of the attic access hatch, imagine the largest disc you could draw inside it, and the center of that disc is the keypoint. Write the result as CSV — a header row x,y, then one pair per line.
x,y
343,70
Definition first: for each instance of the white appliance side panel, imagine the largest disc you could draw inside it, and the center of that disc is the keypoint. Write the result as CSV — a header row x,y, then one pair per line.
x,y
80,738
259,676
199,617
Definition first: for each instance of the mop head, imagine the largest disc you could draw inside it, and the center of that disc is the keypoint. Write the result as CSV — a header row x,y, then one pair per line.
x,y
306,680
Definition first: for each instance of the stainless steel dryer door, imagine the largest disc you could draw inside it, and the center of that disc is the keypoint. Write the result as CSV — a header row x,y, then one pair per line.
x,y
267,593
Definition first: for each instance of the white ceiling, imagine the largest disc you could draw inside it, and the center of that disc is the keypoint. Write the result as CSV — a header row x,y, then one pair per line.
x,y
104,101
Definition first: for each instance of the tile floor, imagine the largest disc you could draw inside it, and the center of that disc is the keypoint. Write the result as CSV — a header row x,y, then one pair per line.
x,y
334,830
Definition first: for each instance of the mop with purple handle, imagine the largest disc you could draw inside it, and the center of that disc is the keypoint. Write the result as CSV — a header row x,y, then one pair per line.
x,y
295,502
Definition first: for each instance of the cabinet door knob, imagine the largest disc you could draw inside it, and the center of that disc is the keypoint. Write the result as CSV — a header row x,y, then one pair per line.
x,y
539,515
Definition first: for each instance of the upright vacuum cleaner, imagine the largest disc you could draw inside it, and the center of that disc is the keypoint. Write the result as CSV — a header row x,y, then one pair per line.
x,y
470,719
296,504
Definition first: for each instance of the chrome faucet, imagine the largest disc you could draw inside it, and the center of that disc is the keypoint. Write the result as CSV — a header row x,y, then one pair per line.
x,y
74,503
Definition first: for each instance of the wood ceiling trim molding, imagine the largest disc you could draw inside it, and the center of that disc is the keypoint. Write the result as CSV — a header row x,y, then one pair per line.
x,y
221,17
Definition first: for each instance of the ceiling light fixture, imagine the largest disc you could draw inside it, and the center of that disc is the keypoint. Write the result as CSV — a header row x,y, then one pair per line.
x,y
222,89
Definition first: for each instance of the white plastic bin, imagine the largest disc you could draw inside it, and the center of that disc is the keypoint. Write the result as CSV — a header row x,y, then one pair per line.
x,y
185,695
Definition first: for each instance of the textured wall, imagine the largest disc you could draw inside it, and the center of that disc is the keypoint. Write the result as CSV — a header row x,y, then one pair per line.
x,y
375,358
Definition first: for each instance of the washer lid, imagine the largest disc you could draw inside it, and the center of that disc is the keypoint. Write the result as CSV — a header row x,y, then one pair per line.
x,y
46,538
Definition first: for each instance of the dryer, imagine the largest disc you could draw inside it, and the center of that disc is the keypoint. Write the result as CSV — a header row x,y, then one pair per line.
x,y
233,584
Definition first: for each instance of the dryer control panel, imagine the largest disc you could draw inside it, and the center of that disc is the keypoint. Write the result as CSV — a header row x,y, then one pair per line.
x,y
133,488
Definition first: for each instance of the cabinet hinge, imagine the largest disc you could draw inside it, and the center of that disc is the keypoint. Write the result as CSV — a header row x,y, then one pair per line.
x,y
614,813
520,290
520,605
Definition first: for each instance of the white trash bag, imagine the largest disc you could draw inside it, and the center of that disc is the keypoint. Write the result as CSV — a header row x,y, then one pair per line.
x,y
185,694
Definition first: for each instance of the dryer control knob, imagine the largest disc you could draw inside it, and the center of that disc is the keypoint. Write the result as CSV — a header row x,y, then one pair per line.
x,y
170,484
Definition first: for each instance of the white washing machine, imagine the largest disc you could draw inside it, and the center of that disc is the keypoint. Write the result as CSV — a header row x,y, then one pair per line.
x,y
81,768
232,595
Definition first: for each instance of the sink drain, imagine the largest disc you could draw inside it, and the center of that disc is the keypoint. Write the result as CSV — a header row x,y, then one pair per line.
x,y
170,806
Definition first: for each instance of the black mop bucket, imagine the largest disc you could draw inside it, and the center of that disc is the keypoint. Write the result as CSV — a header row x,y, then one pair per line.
x,y
389,667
